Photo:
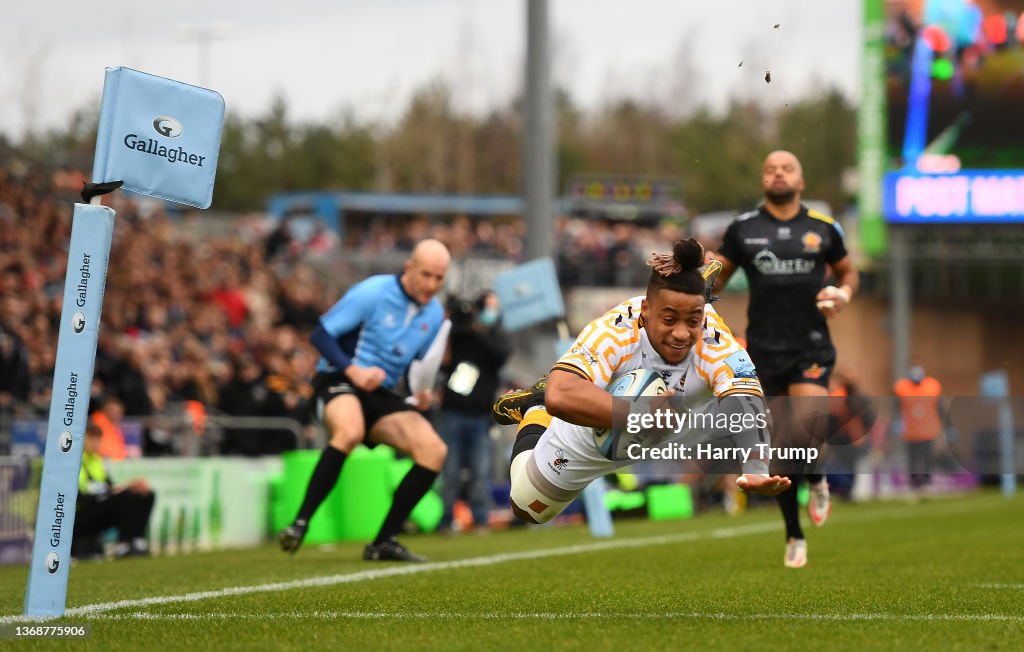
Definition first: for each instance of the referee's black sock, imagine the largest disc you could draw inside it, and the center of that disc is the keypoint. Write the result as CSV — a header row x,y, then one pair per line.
x,y
414,485
325,476
790,508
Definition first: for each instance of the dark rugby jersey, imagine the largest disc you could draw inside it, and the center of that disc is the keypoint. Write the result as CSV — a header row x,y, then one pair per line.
x,y
785,263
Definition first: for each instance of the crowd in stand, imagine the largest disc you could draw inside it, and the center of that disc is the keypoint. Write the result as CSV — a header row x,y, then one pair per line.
x,y
197,324
201,325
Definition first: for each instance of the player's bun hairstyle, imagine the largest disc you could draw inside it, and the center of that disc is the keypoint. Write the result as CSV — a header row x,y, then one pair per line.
x,y
678,271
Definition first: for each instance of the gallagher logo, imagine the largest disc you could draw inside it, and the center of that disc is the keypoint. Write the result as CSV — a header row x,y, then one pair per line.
x,y
52,562
78,322
65,441
167,126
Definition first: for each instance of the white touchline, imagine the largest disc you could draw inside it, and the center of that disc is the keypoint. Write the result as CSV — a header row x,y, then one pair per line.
x,y
587,615
362,576
412,569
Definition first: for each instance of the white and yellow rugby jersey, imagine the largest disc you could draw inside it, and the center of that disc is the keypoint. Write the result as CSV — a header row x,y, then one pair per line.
x,y
616,343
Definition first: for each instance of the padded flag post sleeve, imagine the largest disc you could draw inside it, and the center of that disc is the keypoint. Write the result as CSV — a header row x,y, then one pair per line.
x,y
89,251
160,136
529,294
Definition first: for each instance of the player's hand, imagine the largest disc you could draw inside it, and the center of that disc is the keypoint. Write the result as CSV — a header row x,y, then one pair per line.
x,y
755,483
366,378
661,401
831,300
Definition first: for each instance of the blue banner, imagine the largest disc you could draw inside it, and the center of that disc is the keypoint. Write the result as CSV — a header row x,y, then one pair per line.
x,y
161,137
91,233
981,196
529,294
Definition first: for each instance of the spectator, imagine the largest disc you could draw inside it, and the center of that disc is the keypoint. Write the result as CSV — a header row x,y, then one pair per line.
x,y
919,401
477,350
15,379
851,417
243,394
108,420
103,505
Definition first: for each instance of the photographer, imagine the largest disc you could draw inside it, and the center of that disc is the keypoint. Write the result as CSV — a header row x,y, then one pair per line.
x,y
476,351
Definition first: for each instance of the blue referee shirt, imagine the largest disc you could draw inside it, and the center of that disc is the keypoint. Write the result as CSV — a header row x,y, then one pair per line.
x,y
377,324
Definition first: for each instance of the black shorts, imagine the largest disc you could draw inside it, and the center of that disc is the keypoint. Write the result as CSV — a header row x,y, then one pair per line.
x,y
376,404
777,370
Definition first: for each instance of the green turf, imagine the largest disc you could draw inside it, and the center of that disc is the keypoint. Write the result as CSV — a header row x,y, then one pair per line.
x,y
881,576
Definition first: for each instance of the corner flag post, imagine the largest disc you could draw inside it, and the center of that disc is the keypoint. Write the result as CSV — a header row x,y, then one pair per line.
x,y
157,137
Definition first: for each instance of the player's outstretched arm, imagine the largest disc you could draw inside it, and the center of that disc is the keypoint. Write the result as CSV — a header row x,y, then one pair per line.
x,y
577,400
756,483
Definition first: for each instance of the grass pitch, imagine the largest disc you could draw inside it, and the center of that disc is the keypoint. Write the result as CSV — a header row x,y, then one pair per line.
x,y
943,574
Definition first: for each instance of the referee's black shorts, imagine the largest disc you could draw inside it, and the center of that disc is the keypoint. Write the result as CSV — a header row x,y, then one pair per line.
x,y
376,404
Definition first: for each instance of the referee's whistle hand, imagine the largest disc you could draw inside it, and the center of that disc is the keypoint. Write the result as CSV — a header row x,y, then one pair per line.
x,y
366,378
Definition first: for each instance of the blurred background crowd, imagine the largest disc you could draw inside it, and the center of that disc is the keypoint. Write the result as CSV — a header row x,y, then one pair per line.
x,y
199,322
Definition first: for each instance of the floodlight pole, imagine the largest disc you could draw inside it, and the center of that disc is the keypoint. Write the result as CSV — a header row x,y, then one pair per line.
x,y
899,301
203,36
539,135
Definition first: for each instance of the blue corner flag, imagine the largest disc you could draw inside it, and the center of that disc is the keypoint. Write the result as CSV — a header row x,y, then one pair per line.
x,y
159,136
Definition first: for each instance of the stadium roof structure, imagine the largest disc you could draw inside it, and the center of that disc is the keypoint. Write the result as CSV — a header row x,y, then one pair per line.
x,y
625,199
331,205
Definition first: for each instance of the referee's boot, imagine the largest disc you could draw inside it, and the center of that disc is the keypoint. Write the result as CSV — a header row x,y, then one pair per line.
x,y
390,550
291,537
511,406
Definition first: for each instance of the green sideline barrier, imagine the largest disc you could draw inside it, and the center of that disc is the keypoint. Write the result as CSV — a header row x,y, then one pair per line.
x,y
624,500
356,507
669,501
204,504
663,501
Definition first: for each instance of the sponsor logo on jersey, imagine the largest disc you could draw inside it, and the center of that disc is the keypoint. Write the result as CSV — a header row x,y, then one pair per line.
x,y
584,353
811,242
771,265
784,233
559,463
756,241
741,365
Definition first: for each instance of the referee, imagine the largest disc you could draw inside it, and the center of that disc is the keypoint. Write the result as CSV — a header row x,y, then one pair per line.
x,y
787,251
367,342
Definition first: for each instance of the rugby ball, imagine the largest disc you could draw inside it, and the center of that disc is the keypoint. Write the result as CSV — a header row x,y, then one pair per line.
x,y
637,383
630,386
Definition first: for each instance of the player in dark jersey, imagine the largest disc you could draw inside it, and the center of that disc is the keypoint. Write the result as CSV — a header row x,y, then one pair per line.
x,y
787,251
